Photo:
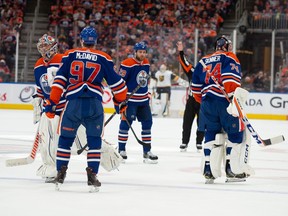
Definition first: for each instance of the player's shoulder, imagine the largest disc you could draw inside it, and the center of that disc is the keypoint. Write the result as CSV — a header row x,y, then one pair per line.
x,y
57,58
101,53
39,62
129,62
233,57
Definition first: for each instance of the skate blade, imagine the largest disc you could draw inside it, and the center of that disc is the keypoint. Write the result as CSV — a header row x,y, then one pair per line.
x,y
209,181
93,189
183,150
58,186
229,180
147,161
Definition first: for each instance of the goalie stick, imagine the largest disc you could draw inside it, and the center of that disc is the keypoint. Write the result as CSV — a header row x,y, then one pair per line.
x,y
111,117
30,158
243,116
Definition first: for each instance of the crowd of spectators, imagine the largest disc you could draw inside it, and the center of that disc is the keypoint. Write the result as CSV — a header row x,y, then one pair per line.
x,y
122,23
11,18
269,14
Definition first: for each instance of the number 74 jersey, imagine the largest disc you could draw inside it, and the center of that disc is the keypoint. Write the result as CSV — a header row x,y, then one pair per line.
x,y
225,67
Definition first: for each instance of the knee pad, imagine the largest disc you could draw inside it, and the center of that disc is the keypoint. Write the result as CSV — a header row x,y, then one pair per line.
x,y
213,154
238,155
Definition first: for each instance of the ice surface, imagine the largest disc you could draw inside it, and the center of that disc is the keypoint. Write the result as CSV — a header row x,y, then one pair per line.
x,y
172,187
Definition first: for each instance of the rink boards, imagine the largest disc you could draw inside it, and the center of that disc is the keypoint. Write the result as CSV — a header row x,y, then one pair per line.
x,y
258,105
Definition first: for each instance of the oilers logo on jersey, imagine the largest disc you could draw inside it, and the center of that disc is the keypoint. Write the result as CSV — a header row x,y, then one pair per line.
x,y
44,84
142,78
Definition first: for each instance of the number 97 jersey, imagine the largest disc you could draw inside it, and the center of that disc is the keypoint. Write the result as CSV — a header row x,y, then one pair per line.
x,y
82,72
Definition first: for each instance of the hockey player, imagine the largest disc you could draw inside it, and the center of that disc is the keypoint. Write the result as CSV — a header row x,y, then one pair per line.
x,y
224,66
135,71
164,79
192,107
80,77
44,72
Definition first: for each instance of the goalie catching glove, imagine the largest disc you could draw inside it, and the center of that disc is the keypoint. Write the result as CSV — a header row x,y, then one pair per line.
x,y
50,108
241,95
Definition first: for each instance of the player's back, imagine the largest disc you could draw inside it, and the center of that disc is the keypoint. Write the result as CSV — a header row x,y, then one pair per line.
x,y
82,72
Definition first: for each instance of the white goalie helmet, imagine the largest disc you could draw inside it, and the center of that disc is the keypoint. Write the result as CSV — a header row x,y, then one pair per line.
x,y
47,47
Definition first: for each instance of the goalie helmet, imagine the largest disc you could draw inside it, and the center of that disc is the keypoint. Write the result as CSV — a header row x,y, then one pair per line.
x,y
223,43
47,47
89,35
140,46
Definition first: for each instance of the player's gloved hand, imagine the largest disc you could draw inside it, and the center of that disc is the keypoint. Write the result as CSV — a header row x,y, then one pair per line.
x,y
49,108
232,110
120,107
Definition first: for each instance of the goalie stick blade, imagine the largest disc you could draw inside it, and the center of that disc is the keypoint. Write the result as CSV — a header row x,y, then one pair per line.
x,y
274,140
19,161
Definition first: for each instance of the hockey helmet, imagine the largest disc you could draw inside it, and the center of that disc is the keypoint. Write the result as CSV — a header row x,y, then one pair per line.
x,y
223,43
47,46
89,35
140,46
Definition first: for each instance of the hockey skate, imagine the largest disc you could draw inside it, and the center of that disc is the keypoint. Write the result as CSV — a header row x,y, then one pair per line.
x,y
199,147
232,177
50,179
60,177
150,158
123,155
92,181
183,147
208,175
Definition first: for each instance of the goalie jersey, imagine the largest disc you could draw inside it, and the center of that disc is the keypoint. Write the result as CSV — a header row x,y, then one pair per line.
x,y
135,73
42,85
225,67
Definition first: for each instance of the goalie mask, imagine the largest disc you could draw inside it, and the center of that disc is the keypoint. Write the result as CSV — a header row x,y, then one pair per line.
x,y
47,47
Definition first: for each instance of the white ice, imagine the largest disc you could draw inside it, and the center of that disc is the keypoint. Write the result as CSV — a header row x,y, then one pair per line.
x,y
172,187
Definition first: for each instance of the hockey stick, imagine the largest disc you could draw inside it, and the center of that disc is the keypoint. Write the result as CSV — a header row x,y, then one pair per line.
x,y
111,117
130,126
30,158
243,116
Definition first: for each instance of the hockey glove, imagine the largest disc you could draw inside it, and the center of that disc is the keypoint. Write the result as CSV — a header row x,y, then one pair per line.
x,y
50,108
240,96
37,109
120,107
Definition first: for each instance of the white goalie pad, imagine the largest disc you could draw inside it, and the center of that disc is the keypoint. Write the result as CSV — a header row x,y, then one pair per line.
x,y
240,155
110,158
165,104
48,142
216,156
37,109
240,95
